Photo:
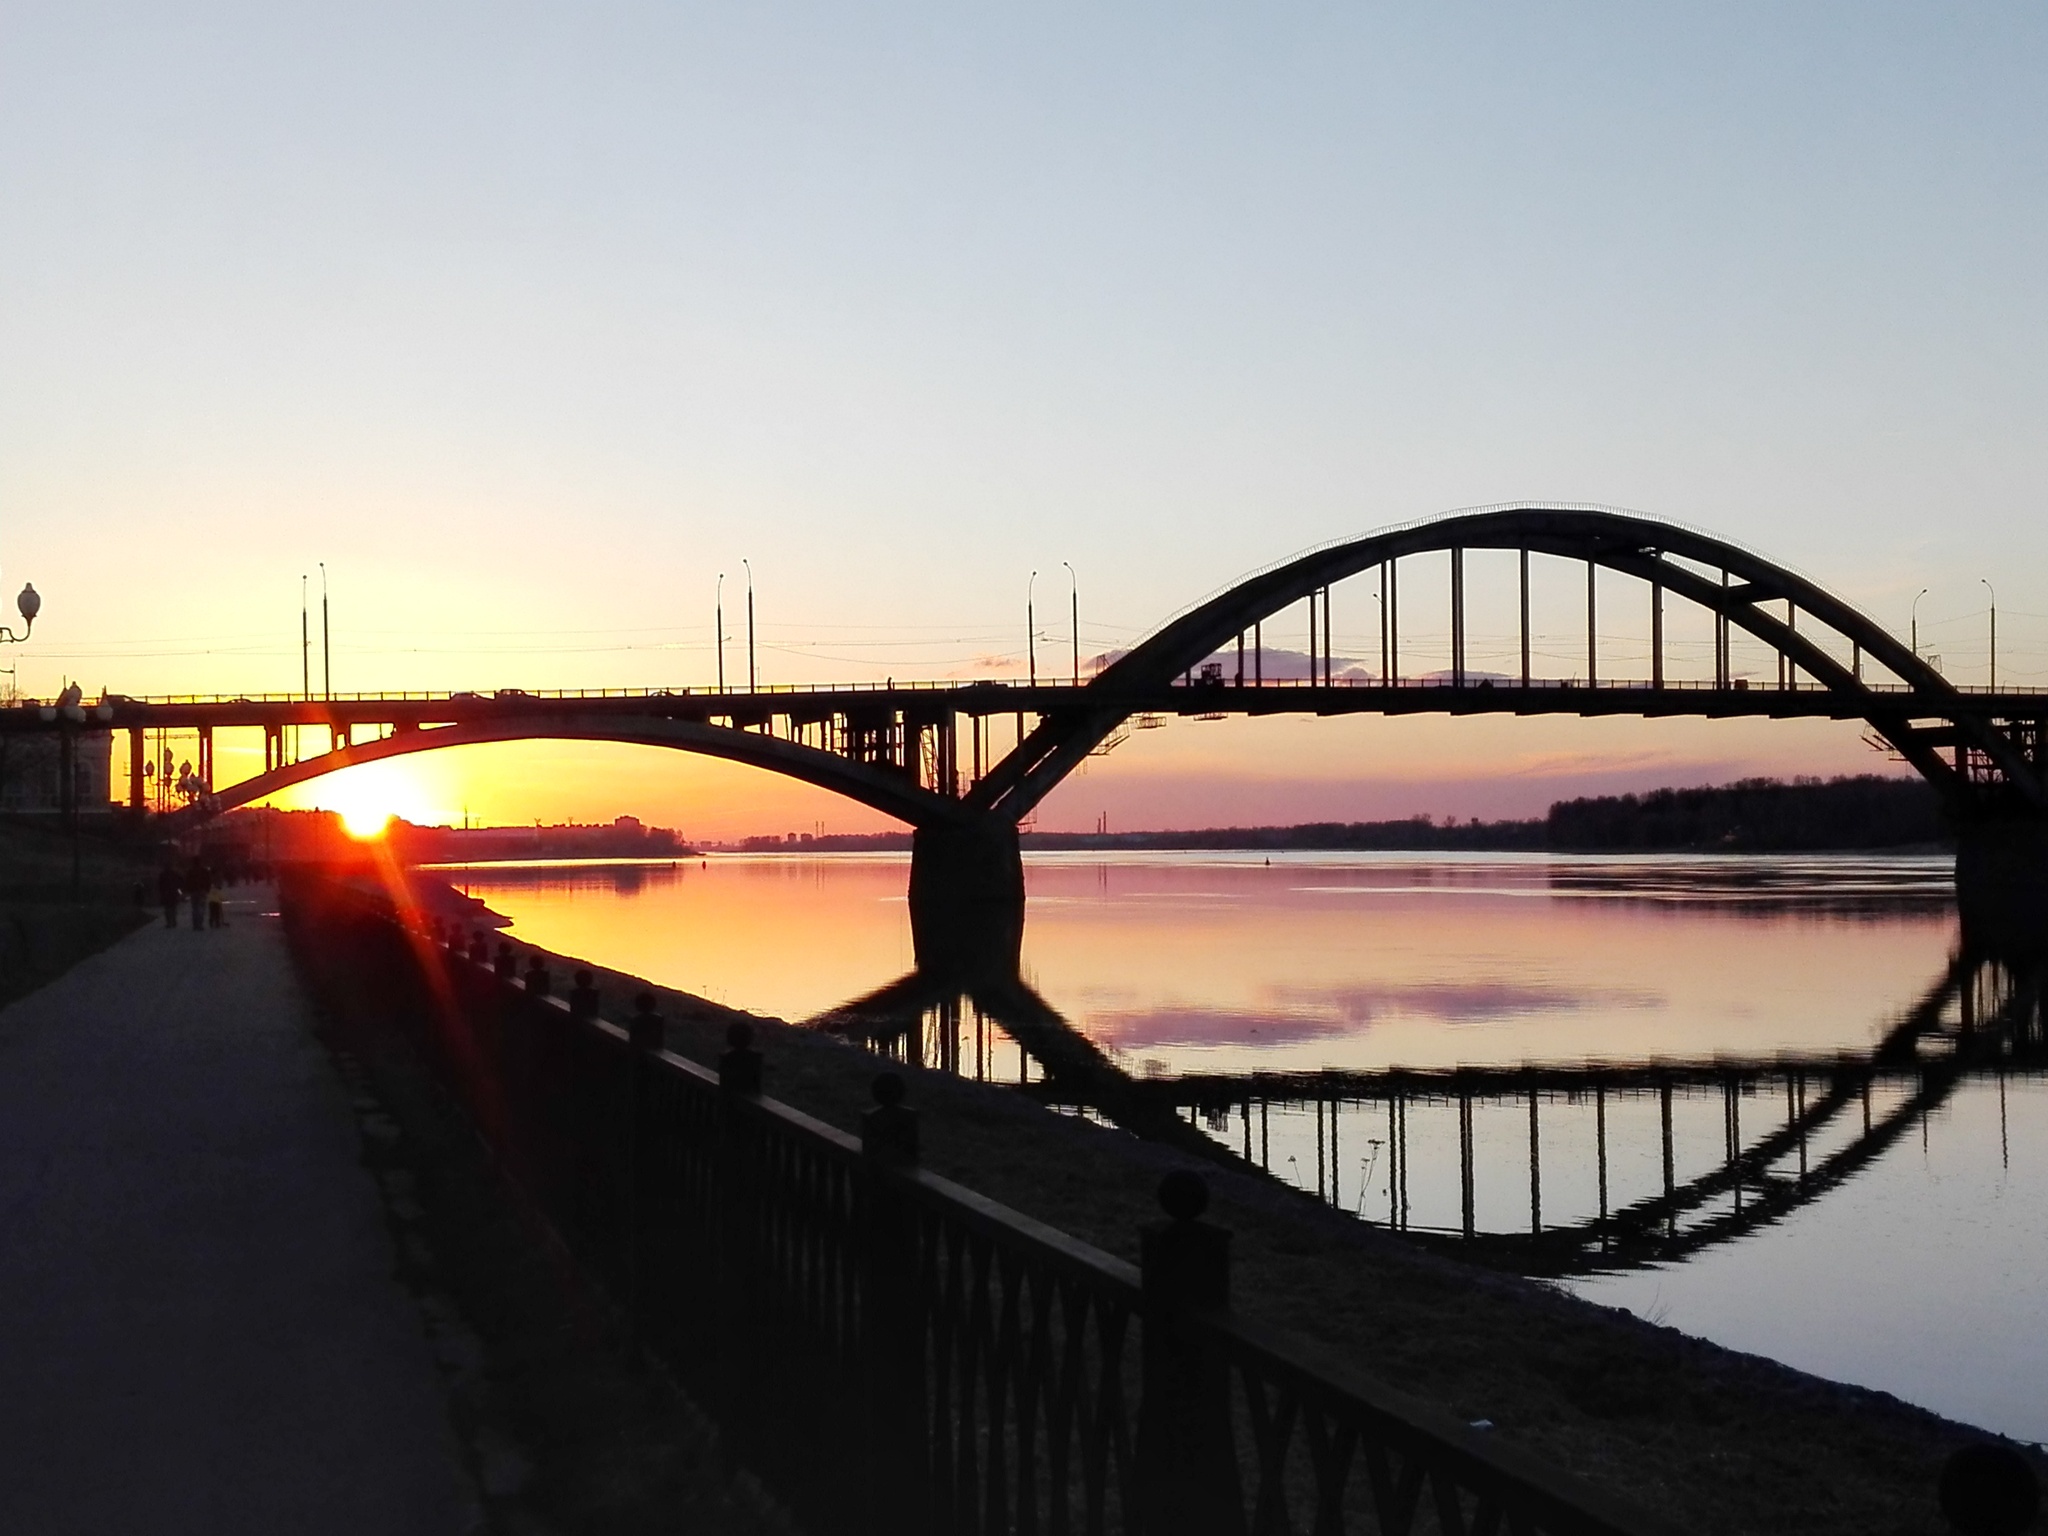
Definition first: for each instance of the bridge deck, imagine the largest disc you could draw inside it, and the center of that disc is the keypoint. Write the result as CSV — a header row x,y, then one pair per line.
x,y
1431,695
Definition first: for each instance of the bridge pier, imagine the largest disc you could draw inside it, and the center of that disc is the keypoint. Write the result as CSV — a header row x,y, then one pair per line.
x,y
967,898
2002,888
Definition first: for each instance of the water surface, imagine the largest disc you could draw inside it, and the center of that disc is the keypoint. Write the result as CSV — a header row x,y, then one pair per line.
x,y
1291,991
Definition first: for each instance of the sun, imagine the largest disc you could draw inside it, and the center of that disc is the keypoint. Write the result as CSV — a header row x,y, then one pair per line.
x,y
368,798
364,823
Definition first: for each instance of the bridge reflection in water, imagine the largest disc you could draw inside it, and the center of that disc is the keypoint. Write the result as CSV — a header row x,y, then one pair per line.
x,y
1608,1166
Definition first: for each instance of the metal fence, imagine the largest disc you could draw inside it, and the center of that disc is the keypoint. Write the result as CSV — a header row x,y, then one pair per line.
x,y
885,1349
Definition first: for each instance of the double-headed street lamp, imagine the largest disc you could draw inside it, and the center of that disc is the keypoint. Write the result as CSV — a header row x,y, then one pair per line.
x,y
1916,622
1994,632
1031,628
1074,593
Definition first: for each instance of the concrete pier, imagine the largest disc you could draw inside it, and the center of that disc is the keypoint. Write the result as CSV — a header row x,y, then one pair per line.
x,y
200,1328
967,899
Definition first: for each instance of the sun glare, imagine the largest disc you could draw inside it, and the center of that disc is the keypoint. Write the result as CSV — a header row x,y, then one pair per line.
x,y
364,823
368,798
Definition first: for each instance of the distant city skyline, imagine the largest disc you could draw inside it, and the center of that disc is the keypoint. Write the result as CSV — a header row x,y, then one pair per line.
x,y
530,325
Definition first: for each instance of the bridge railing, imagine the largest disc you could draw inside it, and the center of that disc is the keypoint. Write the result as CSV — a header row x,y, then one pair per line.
x,y
888,1350
996,688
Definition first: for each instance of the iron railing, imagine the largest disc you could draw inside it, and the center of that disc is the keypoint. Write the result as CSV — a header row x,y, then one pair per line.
x,y
886,1349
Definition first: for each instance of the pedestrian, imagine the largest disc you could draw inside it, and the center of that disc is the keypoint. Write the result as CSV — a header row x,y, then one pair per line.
x,y
216,913
198,885
169,889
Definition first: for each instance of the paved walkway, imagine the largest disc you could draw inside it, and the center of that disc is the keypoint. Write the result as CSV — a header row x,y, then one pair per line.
x,y
200,1331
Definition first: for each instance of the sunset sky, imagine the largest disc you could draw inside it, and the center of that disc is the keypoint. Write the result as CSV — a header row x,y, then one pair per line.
x,y
529,321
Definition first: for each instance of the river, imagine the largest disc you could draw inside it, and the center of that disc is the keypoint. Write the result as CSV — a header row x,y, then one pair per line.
x,y
1756,1099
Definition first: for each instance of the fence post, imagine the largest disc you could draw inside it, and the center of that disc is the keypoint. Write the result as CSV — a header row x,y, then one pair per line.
x,y
892,1321
645,1037
738,1179
1187,1456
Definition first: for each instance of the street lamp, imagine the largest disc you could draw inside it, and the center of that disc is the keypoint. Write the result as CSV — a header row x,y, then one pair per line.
x,y
718,626
1916,622
1994,632
30,603
1031,629
1075,593
750,625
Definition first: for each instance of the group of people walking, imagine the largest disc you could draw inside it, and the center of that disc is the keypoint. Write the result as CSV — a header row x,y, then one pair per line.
x,y
195,885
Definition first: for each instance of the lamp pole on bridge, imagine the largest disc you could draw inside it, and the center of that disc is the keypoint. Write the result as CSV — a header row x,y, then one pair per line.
x,y
326,641
1916,622
718,629
750,624
1031,629
1994,632
1074,594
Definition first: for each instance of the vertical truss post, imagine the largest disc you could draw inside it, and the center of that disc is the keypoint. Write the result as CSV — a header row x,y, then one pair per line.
x,y
1721,668
1393,1159
1319,1146
1664,1112
1312,639
1386,653
1258,652
135,756
1457,618
1393,606
1329,674
1600,1146
1465,1159
1240,658
1656,634
1524,553
1592,628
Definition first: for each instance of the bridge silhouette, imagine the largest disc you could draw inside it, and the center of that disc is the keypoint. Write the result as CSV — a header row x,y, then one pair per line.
x,y
1792,1128
963,764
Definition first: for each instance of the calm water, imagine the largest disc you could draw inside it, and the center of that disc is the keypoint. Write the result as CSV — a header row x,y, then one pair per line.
x,y
1886,1224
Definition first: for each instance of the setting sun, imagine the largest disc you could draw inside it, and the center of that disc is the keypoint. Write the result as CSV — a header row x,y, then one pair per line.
x,y
368,798
364,823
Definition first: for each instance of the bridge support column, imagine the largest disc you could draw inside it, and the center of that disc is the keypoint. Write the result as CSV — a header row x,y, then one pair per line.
x,y
2002,887
967,898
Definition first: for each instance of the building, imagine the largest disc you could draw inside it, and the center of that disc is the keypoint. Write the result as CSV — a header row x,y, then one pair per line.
x,y
32,771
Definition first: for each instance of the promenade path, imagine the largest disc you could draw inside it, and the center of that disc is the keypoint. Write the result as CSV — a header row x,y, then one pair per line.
x,y
200,1328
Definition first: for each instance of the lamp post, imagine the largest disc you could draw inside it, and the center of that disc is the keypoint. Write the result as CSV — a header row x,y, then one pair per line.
x,y
1031,629
326,642
750,624
1916,622
29,604
1074,592
1994,632
718,629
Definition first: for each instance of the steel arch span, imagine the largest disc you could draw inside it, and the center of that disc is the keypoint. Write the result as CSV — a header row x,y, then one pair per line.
x,y
1991,766
871,786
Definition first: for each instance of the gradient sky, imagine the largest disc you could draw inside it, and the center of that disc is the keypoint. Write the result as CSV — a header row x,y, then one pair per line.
x,y
528,321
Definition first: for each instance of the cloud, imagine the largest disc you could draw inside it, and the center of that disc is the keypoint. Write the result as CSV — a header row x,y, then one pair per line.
x,y
1311,1013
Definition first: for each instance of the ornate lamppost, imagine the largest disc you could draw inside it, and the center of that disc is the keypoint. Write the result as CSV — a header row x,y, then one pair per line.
x,y
29,604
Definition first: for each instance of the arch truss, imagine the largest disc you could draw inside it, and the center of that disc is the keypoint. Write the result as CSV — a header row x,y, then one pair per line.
x,y
1984,752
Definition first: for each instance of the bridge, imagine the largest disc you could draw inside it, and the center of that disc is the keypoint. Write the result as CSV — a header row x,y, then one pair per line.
x,y
965,764
1730,1144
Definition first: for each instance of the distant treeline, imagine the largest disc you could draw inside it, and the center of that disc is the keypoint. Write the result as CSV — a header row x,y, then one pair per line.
x,y
1755,815
1750,816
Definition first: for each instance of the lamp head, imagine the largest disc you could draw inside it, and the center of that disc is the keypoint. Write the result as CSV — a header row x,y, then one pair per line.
x,y
30,602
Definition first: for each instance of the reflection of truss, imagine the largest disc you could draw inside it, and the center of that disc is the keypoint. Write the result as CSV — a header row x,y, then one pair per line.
x,y
1977,1019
